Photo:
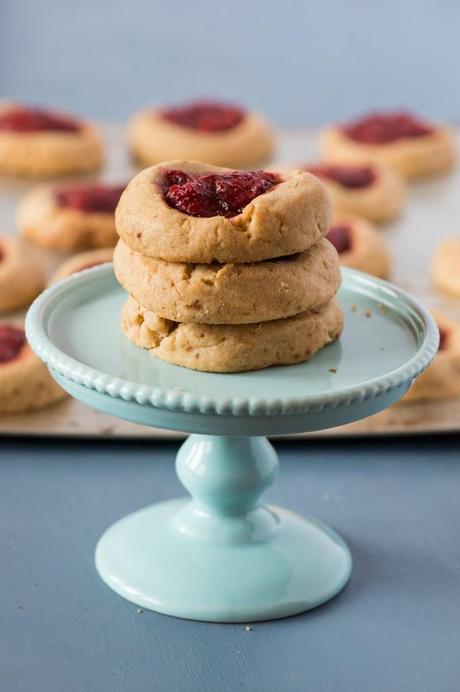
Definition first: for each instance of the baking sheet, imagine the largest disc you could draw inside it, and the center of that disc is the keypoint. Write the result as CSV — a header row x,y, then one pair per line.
x,y
432,213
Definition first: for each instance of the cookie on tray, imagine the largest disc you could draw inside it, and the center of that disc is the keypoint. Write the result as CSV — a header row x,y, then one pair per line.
x,y
25,383
230,293
369,190
21,276
445,269
233,347
70,217
81,261
359,245
441,380
413,146
35,142
217,133
185,211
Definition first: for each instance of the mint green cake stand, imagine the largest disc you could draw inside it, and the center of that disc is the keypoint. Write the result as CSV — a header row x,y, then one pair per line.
x,y
223,555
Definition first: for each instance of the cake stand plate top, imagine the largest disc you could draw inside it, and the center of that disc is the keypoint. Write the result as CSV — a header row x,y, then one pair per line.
x,y
388,339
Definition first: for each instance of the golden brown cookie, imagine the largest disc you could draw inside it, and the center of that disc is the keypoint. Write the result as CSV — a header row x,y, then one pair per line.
x,y
233,347
70,217
215,133
41,143
25,383
445,270
371,191
21,277
81,261
359,245
411,146
185,211
230,293
442,378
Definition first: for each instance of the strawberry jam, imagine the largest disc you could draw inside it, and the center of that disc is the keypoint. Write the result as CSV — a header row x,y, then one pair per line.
x,y
340,237
12,340
351,177
90,198
443,338
26,120
384,128
206,116
215,195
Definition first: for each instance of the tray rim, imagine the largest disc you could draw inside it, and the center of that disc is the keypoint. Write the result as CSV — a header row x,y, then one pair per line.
x,y
173,400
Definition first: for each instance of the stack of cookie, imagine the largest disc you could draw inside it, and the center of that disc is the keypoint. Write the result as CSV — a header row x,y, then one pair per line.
x,y
227,271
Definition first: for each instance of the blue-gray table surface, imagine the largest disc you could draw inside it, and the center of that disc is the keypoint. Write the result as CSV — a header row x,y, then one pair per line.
x,y
395,628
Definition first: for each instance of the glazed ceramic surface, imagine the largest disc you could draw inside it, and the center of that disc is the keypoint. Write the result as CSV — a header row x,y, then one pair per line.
x,y
223,555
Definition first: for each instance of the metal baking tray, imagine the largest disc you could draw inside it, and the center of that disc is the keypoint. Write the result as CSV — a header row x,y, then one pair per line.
x,y
432,213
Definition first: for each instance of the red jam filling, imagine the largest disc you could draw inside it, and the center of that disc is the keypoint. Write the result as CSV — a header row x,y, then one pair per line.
x,y
215,195
383,128
351,177
206,116
12,340
443,338
36,120
340,237
2,252
90,198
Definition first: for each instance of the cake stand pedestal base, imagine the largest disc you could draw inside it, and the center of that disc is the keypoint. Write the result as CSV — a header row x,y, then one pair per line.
x,y
223,556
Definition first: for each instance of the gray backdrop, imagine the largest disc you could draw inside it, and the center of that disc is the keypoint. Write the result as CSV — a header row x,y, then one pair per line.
x,y
301,62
